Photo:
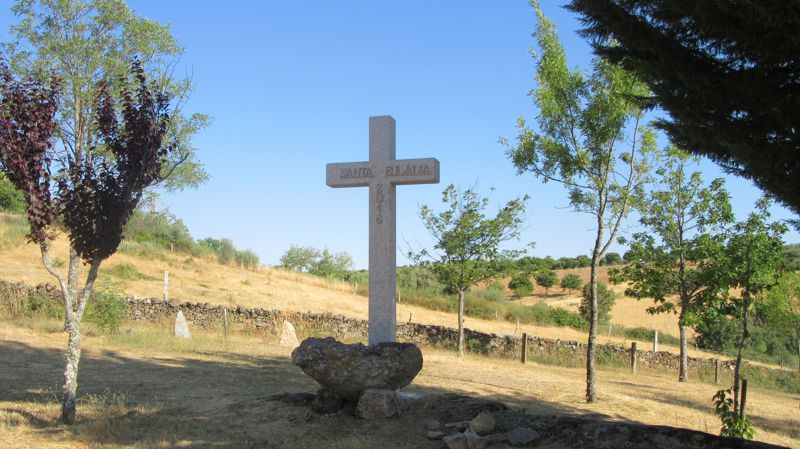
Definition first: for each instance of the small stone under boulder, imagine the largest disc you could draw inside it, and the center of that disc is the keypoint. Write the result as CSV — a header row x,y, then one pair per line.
x,y
349,370
376,404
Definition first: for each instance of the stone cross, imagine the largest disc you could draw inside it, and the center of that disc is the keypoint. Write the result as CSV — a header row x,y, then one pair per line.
x,y
381,174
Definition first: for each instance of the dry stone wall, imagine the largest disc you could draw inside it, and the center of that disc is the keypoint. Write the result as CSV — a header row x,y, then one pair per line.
x,y
206,315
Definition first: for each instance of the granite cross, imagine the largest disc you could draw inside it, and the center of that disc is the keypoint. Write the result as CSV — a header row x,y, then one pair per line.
x,y
382,173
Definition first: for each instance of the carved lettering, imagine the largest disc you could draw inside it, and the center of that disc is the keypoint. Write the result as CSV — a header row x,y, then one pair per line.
x,y
408,170
364,172
379,200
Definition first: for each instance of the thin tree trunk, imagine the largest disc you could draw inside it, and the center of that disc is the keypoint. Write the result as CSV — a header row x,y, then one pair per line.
x,y
461,323
684,365
737,368
590,348
72,358
798,351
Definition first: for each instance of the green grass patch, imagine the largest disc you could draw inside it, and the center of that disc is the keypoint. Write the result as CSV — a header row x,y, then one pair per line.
x,y
15,232
126,272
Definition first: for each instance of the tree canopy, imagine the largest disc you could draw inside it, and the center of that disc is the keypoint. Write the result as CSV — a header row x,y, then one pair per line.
x,y
727,74
84,42
590,138
467,244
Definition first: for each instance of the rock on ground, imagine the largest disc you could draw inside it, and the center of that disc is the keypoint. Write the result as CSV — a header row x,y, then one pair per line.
x,y
348,370
181,326
288,336
374,404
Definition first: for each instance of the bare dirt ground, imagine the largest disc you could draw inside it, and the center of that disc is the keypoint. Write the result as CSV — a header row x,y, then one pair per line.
x,y
142,389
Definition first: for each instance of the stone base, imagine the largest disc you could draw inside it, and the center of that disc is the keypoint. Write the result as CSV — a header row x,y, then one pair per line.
x,y
377,404
327,402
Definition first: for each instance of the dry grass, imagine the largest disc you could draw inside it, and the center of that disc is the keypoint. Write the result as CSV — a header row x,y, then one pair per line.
x,y
204,280
144,389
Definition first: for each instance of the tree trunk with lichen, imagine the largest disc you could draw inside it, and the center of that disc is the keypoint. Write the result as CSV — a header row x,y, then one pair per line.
x,y
75,300
71,360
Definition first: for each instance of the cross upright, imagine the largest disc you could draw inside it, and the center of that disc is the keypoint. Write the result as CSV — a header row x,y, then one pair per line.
x,y
382,173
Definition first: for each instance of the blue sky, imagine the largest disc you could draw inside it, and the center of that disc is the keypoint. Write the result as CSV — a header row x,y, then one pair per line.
x,y
290,87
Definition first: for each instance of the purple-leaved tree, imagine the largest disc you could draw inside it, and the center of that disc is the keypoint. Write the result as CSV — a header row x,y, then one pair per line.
x,y
91,193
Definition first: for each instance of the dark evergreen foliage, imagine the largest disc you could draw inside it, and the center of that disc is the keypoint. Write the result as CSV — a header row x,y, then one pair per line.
x,y
728,74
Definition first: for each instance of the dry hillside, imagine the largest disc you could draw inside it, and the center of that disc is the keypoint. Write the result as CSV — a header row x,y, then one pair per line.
x,y
204,280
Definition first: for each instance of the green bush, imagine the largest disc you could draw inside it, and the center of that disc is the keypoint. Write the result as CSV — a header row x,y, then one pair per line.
x,y
546,278
161,229
605,302
521,284
246,259
11,199
571,282
106,311
492,292
733,424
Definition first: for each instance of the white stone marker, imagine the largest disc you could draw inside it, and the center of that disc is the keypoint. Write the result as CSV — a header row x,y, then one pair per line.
x,y
382,173
181,326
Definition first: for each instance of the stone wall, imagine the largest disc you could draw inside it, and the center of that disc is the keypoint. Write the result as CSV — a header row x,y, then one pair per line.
x,y
206,315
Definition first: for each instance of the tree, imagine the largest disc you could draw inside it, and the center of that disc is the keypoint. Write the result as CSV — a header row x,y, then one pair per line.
x,y
332,265
590,140
745,271
85,42
667,262
571,281
11,199
611,259
605,302
727,74
466,244
299,258
783,307
546,279
521,284
91,197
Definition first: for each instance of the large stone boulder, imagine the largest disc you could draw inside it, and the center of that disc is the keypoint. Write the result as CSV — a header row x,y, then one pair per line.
x,y
348,370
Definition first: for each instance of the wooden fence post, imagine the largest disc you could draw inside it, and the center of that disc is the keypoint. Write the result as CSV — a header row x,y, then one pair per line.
x,y
524,348
716,371
166,285
225,322
633,357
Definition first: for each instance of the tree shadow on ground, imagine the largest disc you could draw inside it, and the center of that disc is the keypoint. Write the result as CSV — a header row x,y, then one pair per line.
x,y
785,426
199,401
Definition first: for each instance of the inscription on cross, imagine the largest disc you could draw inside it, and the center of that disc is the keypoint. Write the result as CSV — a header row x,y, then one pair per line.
x,y
381,174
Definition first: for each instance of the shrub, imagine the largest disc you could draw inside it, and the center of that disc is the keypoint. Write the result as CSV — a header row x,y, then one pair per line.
x,y
547,279
11,199
571,282
605,302
521,284
106,311
246,259
733,424
161,229
492,292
